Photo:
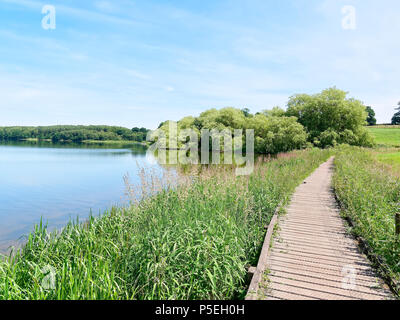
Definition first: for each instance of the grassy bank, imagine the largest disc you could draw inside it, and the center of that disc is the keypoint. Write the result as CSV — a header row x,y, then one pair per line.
x,y
190,242
370,195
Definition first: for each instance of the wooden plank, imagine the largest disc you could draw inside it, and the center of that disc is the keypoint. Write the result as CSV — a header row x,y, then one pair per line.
x,y
252,292
312,254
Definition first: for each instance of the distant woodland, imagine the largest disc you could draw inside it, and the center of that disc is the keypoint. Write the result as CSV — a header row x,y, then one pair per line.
x,y
74,133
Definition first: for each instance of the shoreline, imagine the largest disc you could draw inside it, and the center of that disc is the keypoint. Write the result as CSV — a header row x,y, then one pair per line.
x,y
83,142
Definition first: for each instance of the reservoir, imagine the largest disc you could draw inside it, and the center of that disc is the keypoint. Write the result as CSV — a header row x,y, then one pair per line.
x,y
62,182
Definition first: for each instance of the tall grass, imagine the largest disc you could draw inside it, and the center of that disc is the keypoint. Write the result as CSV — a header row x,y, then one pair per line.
x,y
191,241
370,196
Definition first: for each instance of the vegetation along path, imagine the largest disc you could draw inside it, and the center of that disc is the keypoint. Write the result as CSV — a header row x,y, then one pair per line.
x,y
312,255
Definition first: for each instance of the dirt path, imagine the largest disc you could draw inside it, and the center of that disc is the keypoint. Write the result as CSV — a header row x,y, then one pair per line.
x,y
313,256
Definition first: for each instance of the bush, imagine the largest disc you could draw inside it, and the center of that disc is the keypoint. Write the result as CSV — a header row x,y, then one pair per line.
x,y
328,138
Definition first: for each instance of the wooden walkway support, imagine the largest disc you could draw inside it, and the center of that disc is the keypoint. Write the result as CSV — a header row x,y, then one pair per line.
x,y
313,257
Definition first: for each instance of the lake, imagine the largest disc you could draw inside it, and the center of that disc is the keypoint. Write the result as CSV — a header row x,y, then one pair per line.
x,y
61,182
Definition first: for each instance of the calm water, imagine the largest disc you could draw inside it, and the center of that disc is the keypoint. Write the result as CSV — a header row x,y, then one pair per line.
x,y
60,182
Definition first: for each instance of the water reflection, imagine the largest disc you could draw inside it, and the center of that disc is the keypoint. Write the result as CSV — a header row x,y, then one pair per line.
x,y
62,181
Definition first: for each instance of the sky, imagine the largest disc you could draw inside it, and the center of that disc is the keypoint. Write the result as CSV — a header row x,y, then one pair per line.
x,y
138,63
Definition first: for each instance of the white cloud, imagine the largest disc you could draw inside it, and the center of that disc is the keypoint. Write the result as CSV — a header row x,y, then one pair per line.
x,y
213,61
105,6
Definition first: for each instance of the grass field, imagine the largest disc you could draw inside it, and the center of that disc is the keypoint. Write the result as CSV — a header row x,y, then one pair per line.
x,y
392,158
386,135
190,242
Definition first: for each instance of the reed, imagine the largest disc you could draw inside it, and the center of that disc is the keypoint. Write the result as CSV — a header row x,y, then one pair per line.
x,y
189,238
369,193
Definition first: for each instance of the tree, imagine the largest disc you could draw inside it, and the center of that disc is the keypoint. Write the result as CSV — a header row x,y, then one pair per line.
x,y
73,133
371,116
277,134
327,115
246,112
275,112
396,116
272,134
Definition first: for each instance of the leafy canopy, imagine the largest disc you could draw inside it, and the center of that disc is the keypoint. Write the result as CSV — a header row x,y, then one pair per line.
x,y
331,118
324,119
371,116
272,134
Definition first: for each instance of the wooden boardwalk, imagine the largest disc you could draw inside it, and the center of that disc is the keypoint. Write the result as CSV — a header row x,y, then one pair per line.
x,y
312,254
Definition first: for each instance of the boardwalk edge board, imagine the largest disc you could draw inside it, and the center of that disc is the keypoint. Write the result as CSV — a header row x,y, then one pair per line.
x,y
340,254
258,271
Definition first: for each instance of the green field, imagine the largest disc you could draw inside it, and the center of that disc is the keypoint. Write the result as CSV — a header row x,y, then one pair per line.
x,y
388,136
390,158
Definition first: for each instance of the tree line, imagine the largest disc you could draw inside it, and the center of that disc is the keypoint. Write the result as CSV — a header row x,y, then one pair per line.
x,y
396,116
74,133
322,120
395,119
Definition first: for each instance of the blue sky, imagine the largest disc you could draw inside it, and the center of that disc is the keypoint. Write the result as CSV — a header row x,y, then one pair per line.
x,y
137,63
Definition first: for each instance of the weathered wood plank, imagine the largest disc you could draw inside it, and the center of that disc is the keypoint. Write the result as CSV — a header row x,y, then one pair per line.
x,y
313,256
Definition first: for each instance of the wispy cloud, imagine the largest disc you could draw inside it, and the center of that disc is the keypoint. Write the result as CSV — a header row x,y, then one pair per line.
x,y
132,63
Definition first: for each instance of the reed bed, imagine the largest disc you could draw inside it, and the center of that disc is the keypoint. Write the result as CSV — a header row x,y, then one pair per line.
x,y
191,238
370,194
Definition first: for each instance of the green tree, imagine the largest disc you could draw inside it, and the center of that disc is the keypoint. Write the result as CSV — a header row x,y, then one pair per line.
x,y
246,112
277,134
396,116
275,112
73,133
226,118
272,134
371,116
327,115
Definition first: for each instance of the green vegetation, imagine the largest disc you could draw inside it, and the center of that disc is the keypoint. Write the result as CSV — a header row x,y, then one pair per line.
x,y
193,241
331,118
396,116
272,134
386,135
390,158
323,120
371,120
73,133
369,194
